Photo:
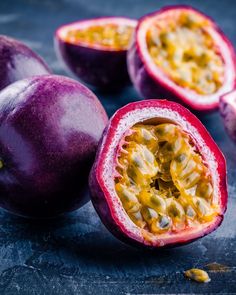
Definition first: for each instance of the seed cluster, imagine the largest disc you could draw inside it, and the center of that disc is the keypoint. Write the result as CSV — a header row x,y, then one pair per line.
x,y
162,180
197,275
110,35
185,51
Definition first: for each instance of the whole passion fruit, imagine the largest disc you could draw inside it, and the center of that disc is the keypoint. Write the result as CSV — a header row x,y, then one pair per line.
x,y
159,179
180,53
49,131
228,113
17,61
95,50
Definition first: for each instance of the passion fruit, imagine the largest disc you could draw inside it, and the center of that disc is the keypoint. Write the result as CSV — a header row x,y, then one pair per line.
x,y
228,113
159,179
49,131
180,53
95,50
17,61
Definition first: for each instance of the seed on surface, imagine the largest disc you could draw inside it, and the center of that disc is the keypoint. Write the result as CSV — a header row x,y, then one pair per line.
x,y
197,275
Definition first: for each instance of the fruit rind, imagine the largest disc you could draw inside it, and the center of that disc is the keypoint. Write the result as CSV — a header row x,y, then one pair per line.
x,y
151,83
98,66
107,203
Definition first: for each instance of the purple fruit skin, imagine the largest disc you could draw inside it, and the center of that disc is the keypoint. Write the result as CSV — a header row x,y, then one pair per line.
x,y
49,131
228,114
98,68
17,62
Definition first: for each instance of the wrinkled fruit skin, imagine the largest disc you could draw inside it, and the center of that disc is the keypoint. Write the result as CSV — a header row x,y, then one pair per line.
x,y
17,62
149,86
104,69
228,113
101,196
49,130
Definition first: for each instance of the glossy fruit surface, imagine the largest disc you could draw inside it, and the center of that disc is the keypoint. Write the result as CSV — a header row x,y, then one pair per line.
x,y
95,50
159,179
181,54
49,130
17,61
228,113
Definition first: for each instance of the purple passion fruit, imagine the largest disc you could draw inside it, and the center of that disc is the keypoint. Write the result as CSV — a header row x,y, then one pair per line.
x,y
180,53
159,179
17,61
49,131
95,50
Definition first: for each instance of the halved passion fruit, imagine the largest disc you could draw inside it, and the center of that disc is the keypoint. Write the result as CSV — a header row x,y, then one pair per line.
x,y
95,49
180,53
159,179
228,113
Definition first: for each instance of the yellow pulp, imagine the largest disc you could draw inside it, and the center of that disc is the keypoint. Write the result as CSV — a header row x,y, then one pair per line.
x,y
185,51
109,35
163,183
197,275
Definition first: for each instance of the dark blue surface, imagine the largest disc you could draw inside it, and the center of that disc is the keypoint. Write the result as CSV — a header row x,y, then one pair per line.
x,y
75,254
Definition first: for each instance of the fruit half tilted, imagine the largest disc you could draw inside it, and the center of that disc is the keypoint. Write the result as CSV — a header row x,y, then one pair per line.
x,y
228,113
180,53
95,50
49,131
159,179
18,61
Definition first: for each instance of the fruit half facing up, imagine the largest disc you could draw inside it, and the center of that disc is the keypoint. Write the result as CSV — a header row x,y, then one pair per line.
x,y
159,179
180,53
95,50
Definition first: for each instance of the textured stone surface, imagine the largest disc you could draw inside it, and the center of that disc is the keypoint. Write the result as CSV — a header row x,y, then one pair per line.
x,y
75,254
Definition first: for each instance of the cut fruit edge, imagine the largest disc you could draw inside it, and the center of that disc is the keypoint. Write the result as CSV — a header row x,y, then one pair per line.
x,y
162,110
191,98
62,31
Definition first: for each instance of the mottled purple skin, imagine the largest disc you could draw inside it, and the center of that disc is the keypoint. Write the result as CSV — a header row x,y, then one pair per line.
x,y
99,68
17,61
227,108
49,131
